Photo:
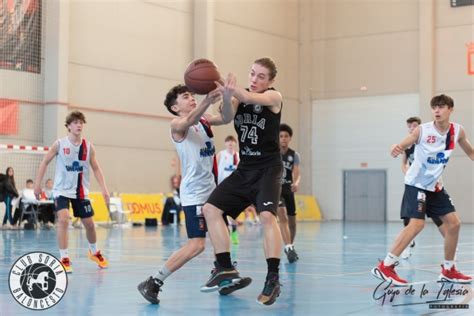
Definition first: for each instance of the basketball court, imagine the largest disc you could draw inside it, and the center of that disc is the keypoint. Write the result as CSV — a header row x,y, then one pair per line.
x,y
331,278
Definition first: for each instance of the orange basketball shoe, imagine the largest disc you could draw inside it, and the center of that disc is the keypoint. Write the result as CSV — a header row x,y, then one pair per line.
x,y
99,259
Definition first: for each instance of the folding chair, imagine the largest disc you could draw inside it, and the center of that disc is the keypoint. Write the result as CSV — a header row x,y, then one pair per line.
x,y
29,207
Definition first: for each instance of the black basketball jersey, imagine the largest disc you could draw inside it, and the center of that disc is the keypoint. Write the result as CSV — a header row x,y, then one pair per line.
x,y
410,154
288,160
258,130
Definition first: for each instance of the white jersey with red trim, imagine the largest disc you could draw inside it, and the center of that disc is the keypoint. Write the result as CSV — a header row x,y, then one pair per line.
x,y
432,153
71,179
226,165
196,152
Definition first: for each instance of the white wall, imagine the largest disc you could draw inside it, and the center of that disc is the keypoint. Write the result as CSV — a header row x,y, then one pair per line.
x,y
351,131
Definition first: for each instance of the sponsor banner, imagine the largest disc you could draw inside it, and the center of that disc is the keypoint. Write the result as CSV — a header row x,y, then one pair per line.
x,y
143,206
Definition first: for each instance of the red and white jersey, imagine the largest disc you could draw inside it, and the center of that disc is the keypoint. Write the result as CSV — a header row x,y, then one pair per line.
x,y
196,152
71,179
226,165
432,153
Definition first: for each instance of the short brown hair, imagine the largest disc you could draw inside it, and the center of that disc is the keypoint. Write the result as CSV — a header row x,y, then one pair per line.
x,y
268,63
75,115
172,96
442,99
414,119
230,138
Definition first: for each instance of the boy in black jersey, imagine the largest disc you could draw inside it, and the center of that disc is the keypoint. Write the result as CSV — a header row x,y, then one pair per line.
x,y
290,182
256,112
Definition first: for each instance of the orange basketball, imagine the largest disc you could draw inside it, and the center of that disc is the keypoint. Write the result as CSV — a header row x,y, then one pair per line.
x,y
200,75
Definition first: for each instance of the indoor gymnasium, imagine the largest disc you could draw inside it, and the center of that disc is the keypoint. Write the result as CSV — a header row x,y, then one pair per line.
x,y
236,157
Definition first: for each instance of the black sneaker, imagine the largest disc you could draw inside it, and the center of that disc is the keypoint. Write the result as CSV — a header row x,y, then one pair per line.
x,y
243,283
149,289
221,278
271,290
291,254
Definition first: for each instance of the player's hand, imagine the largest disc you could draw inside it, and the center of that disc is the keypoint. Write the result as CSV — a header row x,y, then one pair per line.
x,y
106,196
396,150
37,191
294,187
213,96
227,87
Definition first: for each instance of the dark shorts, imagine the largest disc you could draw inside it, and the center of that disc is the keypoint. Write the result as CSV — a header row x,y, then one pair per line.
x,y
419,203
287,199
244,187
81,208
195,222
437,220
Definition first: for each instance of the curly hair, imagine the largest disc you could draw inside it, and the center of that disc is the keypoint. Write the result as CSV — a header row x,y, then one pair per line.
x,y
172,96
286,128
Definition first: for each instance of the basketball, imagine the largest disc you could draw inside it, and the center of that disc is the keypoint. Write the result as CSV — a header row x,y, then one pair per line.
x,y
200,75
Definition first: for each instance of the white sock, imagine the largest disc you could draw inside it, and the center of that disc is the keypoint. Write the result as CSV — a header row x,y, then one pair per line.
x,y
93,248
448,264
162,273
390,259
63,253
288,247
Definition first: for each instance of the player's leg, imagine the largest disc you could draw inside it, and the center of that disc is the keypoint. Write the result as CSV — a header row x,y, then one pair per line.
x,y
442,206
83,210
285,231
267,203
234,234
449,271
196,230
291,212
414,208
62,213
407,252
230,195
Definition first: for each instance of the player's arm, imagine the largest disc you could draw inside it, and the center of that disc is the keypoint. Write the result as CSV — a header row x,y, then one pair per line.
x,y
465,144
296,174
180,125
229,105
411,139
53,151
404,163
99,175
270,98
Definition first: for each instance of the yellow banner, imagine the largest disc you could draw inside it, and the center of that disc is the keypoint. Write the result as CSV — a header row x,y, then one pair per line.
x,y
307,208
143,206
101,214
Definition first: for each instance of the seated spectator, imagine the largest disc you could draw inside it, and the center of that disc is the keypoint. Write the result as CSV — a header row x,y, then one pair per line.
x,y
46,211
27,197
172,203
47,193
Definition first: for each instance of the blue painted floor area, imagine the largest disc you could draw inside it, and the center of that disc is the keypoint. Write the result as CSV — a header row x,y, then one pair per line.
x,y
332,276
